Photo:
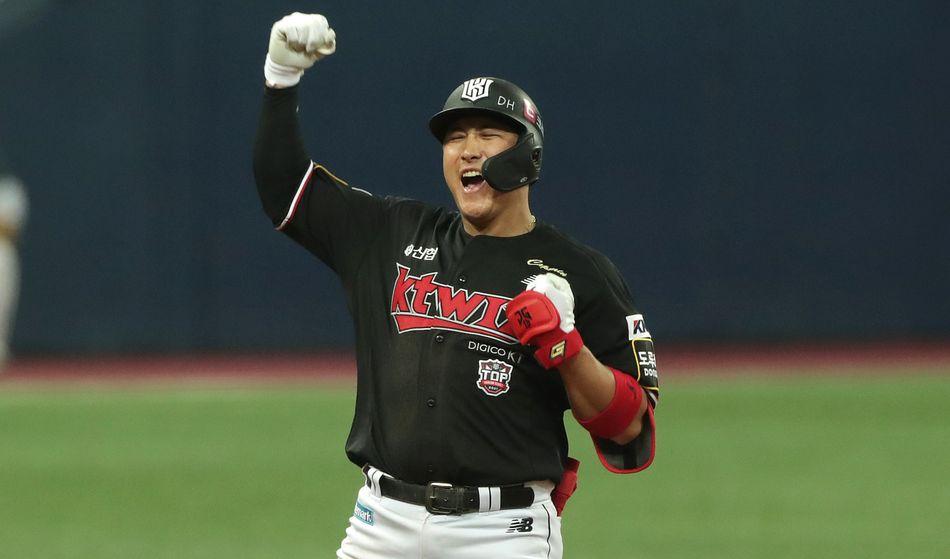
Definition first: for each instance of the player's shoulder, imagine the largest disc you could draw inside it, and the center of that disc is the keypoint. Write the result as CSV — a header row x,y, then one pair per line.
x,y
408,216
579,254
405,207
416,212
591,273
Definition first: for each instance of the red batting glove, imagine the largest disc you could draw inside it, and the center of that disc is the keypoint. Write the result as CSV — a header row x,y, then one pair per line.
x,y
536,319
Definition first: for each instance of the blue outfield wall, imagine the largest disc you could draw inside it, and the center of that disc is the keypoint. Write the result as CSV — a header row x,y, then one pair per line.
x,y
757,170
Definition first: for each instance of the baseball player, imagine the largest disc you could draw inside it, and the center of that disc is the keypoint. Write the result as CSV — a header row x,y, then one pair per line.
x,y
13,212
476,329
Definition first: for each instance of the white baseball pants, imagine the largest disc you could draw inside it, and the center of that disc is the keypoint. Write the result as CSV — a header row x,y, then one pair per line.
x,y
384,528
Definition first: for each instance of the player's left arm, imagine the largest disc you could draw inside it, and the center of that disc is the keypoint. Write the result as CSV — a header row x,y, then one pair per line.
x,y
612,391
591,388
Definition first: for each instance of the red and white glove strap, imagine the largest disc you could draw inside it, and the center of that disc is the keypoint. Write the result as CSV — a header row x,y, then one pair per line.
x,y
535,321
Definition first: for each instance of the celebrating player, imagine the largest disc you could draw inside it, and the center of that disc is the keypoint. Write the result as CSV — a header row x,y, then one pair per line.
x,y
475,329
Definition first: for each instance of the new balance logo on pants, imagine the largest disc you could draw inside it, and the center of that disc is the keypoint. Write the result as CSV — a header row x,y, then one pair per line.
x,y
520,525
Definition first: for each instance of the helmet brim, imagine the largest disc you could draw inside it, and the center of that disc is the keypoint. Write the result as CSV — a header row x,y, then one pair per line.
x,y
440,122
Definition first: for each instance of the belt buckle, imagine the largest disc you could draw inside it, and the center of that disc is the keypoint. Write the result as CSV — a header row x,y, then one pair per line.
x,y
447,501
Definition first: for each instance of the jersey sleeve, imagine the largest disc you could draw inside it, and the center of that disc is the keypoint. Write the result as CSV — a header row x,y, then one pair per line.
x,y
335,221
615,332
331,219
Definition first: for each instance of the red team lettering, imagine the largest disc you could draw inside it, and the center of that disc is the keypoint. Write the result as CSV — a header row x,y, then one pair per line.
x,y
421,303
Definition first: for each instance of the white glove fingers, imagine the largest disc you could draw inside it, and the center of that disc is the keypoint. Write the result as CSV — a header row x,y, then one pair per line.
x,y
329,44
558,290
563,286
539,283
297,41
292,36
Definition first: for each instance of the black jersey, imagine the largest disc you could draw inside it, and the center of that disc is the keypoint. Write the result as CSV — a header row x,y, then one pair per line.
x,y
445,392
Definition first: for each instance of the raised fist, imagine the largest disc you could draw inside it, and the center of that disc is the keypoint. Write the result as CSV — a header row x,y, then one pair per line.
x,y
297,41
543,316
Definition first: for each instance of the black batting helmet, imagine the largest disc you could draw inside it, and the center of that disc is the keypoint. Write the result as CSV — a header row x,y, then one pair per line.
x,y
518,165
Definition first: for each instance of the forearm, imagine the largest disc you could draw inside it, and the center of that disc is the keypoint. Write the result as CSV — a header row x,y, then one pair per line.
x,y
590,388
608,403
280,160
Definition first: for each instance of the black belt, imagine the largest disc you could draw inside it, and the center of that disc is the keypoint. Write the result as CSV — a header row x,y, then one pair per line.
x,y
445,498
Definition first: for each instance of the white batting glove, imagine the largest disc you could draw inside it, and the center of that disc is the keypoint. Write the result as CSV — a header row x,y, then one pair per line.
x,y
297,41
558,290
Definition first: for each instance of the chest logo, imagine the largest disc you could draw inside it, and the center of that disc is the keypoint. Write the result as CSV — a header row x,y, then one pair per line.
x,y
421,253
422,303
494,377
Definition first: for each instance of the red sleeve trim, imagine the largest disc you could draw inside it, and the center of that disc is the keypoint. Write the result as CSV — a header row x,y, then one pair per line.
x,y
297,197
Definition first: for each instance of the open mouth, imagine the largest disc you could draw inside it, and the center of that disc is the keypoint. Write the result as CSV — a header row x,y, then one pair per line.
x,y
472,181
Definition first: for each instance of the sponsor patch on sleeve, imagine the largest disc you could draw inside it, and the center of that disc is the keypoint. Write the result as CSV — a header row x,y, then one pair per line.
x,y
637,328
646,362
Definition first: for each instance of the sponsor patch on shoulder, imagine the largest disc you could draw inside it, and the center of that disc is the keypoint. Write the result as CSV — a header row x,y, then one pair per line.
x,y
637,328
364,514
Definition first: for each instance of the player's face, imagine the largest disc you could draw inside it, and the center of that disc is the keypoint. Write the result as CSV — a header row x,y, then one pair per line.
x,y
466,146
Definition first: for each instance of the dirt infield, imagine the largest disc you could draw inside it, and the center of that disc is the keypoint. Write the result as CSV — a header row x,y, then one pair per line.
x,y
340,367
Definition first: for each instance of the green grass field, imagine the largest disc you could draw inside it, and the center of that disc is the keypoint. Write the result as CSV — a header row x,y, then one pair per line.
x,y
748,467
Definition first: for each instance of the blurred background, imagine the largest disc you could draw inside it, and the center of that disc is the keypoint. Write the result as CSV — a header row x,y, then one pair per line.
x,y
759,171
772,179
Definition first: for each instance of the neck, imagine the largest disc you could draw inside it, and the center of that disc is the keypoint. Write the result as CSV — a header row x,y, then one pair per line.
x,y
511,224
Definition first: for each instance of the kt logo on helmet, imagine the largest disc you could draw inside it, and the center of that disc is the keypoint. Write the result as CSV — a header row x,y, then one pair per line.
x,y
475,89
421,303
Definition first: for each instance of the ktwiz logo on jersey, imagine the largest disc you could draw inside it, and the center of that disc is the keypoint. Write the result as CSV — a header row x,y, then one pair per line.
x,y
475,89
422,303
493,376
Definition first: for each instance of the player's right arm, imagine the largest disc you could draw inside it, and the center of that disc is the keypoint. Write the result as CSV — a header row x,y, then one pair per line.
x,y
297,41
307,202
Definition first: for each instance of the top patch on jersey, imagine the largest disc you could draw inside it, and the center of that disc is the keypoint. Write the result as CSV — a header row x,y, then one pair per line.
x,y
637,328
494,377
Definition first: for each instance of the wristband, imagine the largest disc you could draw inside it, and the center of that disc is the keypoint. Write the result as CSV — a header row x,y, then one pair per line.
x,y
279,74
556,347
619,413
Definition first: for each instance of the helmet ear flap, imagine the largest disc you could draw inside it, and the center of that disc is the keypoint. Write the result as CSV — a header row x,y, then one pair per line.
x,y
516,166
536,158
